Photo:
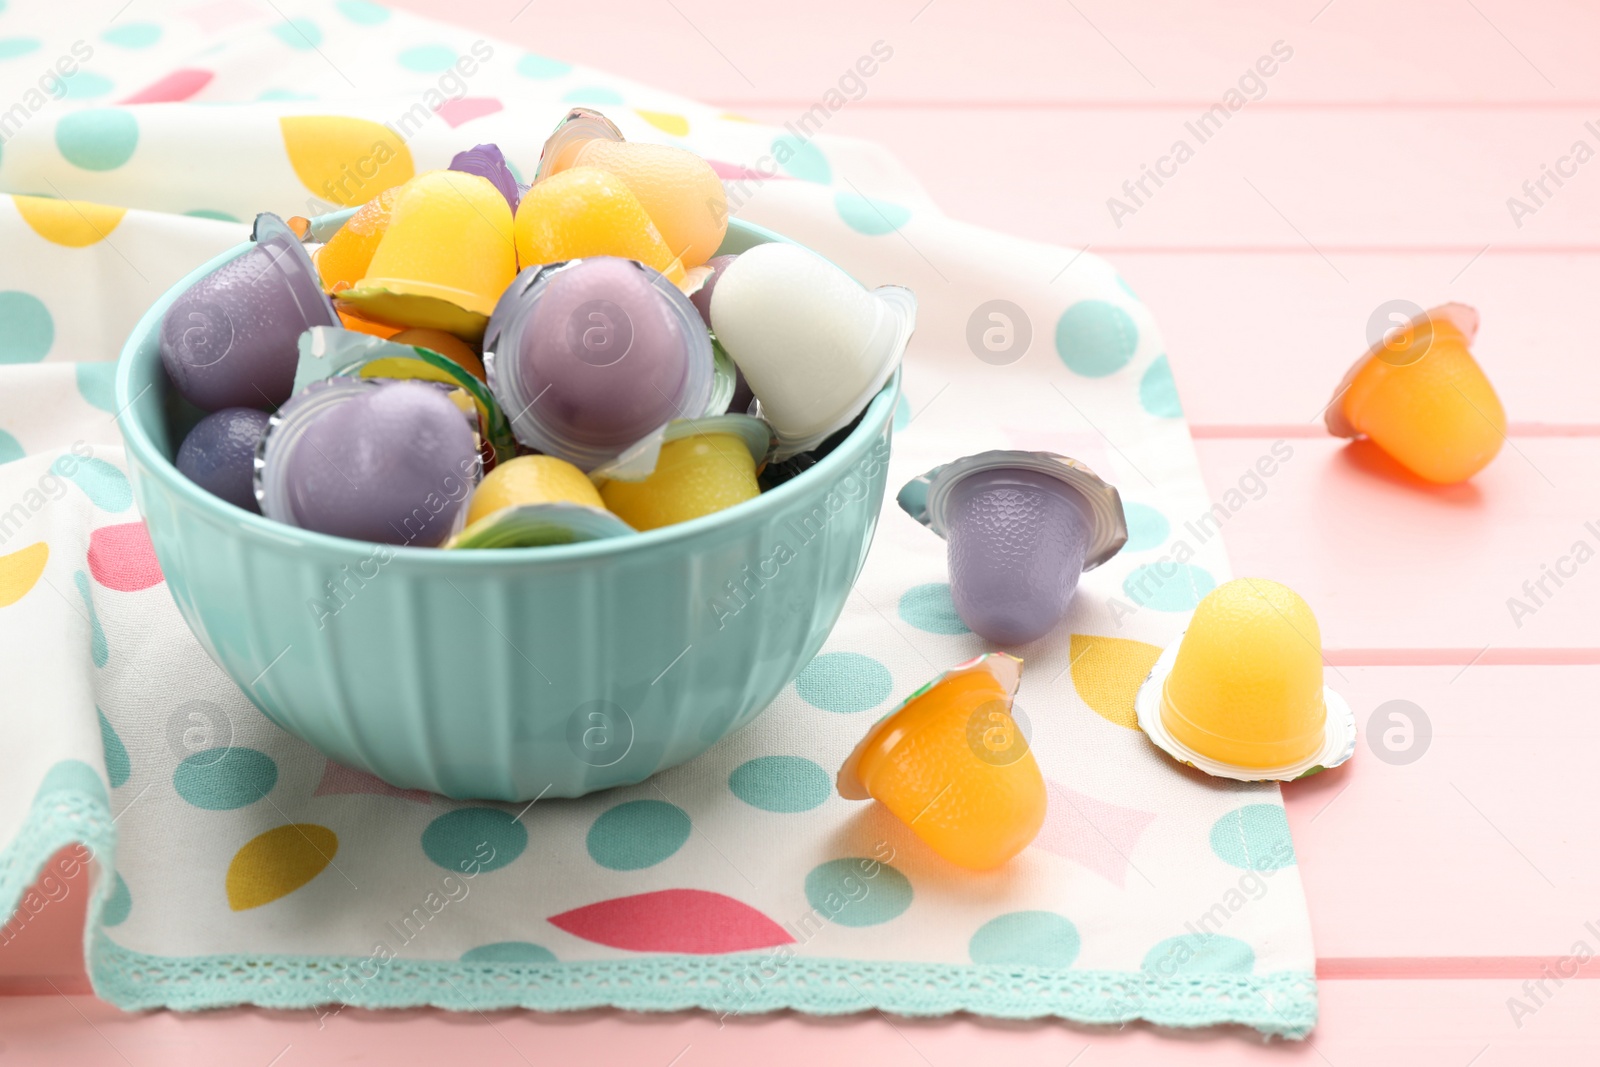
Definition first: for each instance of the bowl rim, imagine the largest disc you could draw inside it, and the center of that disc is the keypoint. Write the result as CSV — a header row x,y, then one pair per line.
x,y
876,418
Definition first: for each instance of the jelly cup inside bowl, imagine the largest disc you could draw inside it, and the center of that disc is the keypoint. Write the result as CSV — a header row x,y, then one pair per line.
x,y
512,673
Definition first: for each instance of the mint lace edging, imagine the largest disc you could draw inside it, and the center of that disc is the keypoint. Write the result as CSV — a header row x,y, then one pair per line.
x,y
60,818
1283,1003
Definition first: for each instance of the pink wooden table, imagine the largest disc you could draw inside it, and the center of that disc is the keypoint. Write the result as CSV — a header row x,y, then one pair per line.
x,y
1377,165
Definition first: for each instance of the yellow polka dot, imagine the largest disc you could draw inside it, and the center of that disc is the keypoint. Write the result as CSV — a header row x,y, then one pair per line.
x,y
666,122
343,160
74,223
728,116
1108,672
278,862
20,570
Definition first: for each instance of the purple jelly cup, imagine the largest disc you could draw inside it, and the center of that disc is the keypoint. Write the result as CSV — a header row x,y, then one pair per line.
x,y
1022,528
218,454
229,340
589,356
372,459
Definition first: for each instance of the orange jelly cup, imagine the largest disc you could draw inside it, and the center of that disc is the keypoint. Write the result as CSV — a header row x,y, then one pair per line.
x,y
952,764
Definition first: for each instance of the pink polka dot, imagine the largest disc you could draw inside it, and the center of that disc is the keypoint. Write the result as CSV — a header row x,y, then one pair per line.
x,y
458,112
674,920
121,558
179,85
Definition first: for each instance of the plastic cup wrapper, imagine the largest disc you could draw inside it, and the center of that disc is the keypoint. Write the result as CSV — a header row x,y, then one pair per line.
x,y
591,356
218,454
813,344
444,259
1240,694
953,764
489,163
580,126
1418,394
327,352
229,339
372,459
1021,527
538,525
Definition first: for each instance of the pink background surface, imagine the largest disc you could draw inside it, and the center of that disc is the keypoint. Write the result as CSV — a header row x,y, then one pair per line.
x,y
1377,166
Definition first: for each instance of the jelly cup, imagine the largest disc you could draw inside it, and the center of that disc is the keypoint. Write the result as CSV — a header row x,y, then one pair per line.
x,y
586,212
446,344
218,454
395,465
589,357
678,190
952,764
540,525
229,339
1022,527
489,163
1240,695
444,260
1420,396
814,345
696,467
529,480
345,255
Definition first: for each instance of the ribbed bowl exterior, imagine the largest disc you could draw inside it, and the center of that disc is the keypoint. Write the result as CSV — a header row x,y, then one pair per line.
x,y
509,674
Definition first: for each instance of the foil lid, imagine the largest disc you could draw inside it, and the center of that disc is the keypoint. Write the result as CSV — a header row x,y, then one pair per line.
x,y
1461,316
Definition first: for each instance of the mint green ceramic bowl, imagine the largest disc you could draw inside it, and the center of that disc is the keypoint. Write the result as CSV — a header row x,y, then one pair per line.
x,y
515,673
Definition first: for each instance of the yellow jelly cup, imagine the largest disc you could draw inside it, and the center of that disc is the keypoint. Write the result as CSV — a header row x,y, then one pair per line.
x,y
446,257
584,212
1420,396
531,480
1241,695
952,764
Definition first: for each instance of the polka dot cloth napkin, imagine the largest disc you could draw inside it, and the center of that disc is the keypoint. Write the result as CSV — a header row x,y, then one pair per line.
x,y
236,864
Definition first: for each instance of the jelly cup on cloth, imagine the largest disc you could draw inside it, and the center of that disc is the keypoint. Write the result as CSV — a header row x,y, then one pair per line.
x,y
229,339
444,259
814,345
1021,527
1240,694
589,357
376,460
1418,394
953,765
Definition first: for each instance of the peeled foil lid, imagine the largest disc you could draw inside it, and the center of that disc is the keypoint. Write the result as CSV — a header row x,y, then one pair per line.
x,y
638,461
539,525
925,497
1461,316
580,124
1338,739
1003,666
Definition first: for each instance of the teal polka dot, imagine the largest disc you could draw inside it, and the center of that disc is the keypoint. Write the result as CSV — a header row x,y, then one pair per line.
x,y
1095,338
858,891
99,650
1200,954
118,766
10,448
97,139
844,682
119,906
802,159
593,94
638,834
1254,837
930,608
284,94
1147,527
29,330
871,217
299,34
1126,288
97,384
222,779
428,58
1158,393
1026,939
133,35
1168,586
207,213
472,840
85,85
72,776
532,66
509,952
11,47
361,12
784,784
106,487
